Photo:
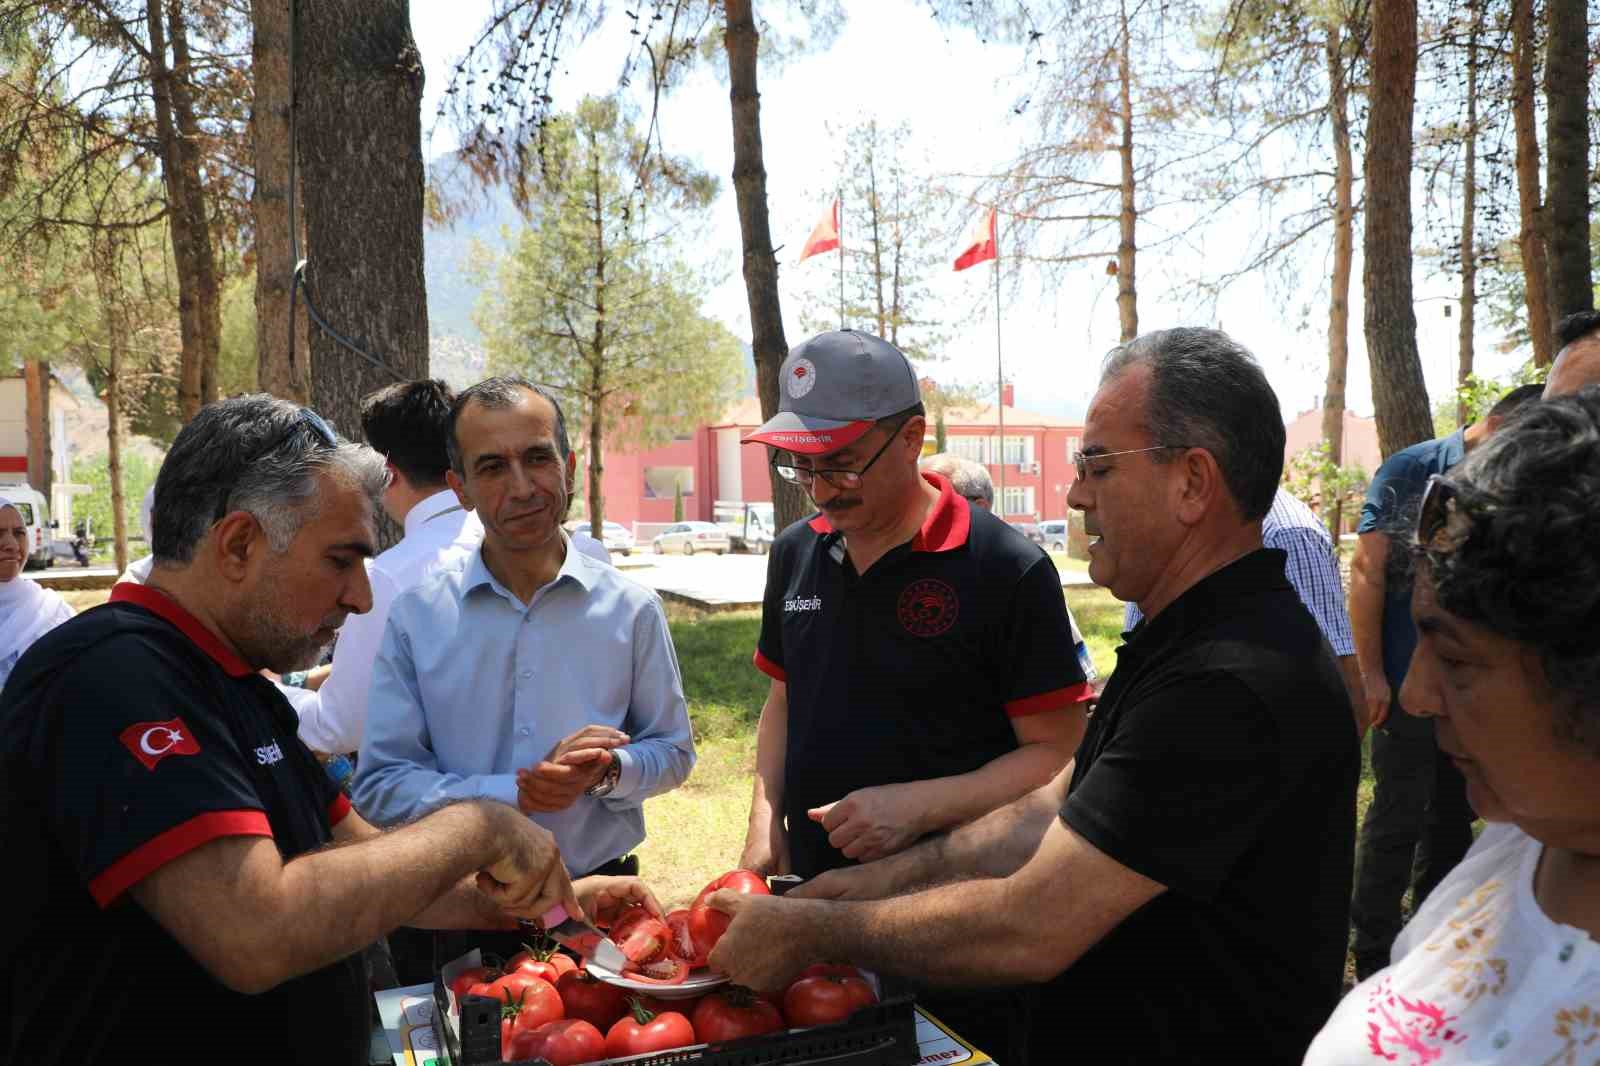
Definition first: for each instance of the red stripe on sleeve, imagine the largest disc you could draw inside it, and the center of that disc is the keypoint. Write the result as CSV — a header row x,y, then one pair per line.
x,y
178,841
1058,700
770,668
338,809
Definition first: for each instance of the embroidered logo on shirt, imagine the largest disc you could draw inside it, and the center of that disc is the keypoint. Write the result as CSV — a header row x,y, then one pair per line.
x,y
928,607
150,742
270,754
804,603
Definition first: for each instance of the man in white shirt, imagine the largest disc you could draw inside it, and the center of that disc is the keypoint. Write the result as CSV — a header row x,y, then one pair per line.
x,y
407,422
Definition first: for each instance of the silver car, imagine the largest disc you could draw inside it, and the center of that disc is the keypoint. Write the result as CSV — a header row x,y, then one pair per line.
x,y
614,535
691,537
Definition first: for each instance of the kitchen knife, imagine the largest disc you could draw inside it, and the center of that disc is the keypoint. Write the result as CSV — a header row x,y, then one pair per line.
x,y
583,938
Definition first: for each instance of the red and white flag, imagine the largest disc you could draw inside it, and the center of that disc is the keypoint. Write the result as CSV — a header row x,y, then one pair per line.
x,y
825,236
981,242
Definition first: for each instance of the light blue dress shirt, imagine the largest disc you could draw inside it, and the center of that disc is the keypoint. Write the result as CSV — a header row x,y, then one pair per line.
x,y
470,685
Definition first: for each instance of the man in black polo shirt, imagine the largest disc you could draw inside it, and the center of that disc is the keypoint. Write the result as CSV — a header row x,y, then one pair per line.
x,y
175,898
921,656
1183,897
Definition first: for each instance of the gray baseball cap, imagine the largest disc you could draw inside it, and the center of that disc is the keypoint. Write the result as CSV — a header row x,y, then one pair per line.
x,y
833,387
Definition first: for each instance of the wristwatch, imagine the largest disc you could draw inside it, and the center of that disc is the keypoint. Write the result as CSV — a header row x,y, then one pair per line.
x,y
608,780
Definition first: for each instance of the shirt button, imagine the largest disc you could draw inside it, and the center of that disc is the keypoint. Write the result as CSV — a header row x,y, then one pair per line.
x,y
1565,952
527,673
1501,1039
525,730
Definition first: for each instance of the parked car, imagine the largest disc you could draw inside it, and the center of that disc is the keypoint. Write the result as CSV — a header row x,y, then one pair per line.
x,y
691,537
1029,530
1054,535
617,537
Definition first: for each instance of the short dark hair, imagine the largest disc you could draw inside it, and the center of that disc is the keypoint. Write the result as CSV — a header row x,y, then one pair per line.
x,y
1576,326
894,421
501,391
1514,400
1528,564
409,422
1207,391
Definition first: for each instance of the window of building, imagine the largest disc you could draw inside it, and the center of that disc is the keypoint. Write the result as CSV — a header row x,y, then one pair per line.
x,y
1073,445
1018,501
968,447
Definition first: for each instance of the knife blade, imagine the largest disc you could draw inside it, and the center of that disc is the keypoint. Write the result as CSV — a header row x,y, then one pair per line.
x,y
581,937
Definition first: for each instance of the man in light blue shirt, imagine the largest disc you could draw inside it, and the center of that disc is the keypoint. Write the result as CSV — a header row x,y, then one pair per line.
x,y
526,671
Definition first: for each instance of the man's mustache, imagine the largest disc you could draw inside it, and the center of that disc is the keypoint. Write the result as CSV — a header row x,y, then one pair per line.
x,y
839,503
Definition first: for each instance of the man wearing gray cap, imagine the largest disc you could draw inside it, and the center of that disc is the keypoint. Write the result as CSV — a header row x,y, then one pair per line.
x,y
920,651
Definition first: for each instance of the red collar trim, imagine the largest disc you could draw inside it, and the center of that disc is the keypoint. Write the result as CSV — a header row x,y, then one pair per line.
x,y
946,528
162,605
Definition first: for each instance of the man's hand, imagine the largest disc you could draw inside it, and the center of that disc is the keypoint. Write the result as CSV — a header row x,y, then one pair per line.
x,y
528,878
769,942
1378,695
574,764
767,852
604,898
871,880
870,823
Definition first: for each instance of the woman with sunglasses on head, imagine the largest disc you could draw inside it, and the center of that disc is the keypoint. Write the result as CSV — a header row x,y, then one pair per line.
x,y
1502,962
28,610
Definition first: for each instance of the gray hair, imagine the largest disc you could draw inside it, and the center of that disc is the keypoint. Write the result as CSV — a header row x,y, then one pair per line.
x,y
968,478
501,392
217,463
1207,391
1526,563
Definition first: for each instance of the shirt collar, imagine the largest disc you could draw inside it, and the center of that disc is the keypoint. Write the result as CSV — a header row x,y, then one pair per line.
x,y
576,567
945,529
433,506
1211,595
160,604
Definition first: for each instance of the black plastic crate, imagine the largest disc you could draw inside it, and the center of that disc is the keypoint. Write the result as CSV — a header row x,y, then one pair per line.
x,y
884,1034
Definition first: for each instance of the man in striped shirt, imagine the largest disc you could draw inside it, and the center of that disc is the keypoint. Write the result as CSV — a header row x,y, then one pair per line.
x,y
1313,570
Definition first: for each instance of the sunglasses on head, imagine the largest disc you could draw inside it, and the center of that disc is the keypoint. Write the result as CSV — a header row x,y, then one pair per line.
x,y
1443,519
304,419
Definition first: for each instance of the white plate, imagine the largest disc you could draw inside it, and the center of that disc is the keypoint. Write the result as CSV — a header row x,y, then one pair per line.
x,y
692,985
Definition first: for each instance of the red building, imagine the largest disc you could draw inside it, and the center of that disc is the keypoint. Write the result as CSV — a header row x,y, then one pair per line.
x,y
709,464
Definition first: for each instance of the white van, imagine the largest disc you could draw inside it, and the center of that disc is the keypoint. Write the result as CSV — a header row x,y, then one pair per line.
x,y
1054,535
35,512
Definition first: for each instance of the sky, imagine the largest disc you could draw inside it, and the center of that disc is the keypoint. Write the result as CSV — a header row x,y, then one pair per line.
x,y
892,61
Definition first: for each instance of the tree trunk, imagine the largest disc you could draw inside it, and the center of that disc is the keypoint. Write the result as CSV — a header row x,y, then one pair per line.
x,y
789,501
1469,220
1399,394
106,266
358,92
36,386
208,284
180,218
1127,291
1339,284
1535,268
1566,86
269,128
597,391
876,213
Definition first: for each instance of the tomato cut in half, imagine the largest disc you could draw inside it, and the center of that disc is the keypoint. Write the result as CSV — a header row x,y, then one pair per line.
x,y
666,970
682,945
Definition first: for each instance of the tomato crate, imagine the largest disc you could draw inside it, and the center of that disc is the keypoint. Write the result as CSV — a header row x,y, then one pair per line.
x,y
884,1034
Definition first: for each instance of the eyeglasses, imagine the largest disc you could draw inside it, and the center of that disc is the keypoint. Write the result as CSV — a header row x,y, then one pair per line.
x,y
1081,461
305,418
1443,523
839,479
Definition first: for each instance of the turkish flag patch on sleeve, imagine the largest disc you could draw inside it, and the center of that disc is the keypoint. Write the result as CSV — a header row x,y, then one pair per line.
x,y
151,742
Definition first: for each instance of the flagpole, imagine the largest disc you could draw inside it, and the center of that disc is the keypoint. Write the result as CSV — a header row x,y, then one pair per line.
x,y
1000,369
839,232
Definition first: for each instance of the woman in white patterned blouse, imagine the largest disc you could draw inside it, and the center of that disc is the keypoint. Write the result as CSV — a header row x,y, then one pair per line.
x,y
1502,964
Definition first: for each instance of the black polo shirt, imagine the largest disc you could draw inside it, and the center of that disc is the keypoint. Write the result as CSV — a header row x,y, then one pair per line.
x,y
914,670
128,737
1220,762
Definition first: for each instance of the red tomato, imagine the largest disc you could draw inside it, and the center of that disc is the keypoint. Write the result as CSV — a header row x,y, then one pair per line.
x,y
563,963
594,1001
706,926
630,916
825,1000
645,941
733,1013
467,978
642,1032
657,1005
516,984
487,989
538,961
682,944
667,970
534,1006
566,1043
